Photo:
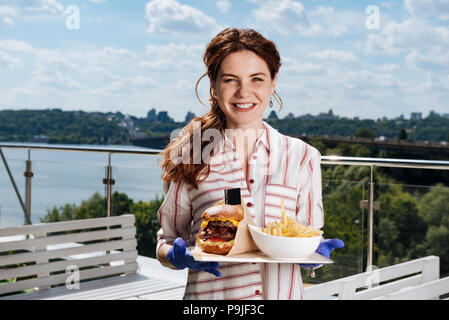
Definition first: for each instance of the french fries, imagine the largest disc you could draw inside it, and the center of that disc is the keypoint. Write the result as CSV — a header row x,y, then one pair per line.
x,y
288,227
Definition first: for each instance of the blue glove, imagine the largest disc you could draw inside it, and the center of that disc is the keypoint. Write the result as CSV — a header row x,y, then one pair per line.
x,y
325,248
179,256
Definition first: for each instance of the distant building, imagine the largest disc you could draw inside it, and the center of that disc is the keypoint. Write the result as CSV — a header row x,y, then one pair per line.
x,y
433,114
39,138
189,116
307,116
416,116
289,116
151,115
273,115
446,115
162,116
328,115
129,124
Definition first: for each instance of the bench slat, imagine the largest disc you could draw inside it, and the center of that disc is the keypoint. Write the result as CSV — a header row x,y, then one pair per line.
x,y
61,278
73,237
65,252
425,291
84,286
121,291
62,265
125,220
387,288
346,287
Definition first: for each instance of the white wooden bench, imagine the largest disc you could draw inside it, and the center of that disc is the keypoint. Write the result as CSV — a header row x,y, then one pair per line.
x,y
378,282
101,253
427,291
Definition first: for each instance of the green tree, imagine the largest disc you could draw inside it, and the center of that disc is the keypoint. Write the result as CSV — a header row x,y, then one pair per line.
x,y
365,133
434,209
402,134
147,226
399,229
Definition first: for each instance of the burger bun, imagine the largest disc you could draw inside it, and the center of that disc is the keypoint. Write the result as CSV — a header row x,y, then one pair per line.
x,y
223,211
222,248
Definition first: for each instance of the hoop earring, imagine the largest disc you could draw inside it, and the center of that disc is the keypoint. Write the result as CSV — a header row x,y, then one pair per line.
x,y
278,99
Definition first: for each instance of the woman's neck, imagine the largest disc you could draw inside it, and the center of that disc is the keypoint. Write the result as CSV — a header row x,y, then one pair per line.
x,y
245,134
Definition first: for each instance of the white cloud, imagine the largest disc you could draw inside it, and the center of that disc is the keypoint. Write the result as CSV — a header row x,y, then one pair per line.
x,y
289,17
291,65
175,50
436,61
174,57
334,55
404,37
388,67
283,17
424,9
7,13
224,6
8,61
12,9
169,16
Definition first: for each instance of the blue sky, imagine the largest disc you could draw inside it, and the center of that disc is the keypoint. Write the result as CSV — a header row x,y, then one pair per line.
x,y
131,56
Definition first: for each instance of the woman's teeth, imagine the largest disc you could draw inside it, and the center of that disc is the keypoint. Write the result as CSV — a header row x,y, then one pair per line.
x,y
244,106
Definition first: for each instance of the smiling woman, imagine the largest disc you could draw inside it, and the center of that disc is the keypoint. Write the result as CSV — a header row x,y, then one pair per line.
x,y
248,155
242,68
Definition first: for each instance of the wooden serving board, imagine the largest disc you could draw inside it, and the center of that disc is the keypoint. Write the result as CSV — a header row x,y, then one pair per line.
x,y
256,257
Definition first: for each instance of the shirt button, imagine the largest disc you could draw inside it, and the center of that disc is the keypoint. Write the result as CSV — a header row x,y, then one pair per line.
x,y
249,204
255,157
251,180
257,292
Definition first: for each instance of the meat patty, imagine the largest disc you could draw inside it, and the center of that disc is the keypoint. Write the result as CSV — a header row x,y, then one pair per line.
x,y
219,229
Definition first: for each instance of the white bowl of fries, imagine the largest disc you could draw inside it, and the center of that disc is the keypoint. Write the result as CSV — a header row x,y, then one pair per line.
x,y
284,248
286,239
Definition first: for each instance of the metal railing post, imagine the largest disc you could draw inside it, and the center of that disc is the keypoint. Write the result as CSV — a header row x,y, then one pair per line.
x,y
28,175
370,229
108,181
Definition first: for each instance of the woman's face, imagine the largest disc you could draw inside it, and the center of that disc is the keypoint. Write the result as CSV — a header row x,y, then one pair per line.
x,y
243,88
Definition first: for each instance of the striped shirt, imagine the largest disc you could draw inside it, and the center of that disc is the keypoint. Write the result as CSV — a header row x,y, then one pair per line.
x,y
280,167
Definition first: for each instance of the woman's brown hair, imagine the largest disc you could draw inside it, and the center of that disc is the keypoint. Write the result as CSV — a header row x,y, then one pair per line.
x,y
227,41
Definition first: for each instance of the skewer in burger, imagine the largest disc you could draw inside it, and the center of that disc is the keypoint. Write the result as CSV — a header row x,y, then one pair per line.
x,y
219,224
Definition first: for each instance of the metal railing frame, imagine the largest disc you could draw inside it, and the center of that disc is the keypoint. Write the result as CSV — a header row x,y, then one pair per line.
x,y
325,160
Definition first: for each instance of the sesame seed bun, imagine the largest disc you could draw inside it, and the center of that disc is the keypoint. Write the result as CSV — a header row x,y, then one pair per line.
x,y
223,211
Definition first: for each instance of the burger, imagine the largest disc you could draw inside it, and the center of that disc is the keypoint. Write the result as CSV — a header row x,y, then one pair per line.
x,y
219,227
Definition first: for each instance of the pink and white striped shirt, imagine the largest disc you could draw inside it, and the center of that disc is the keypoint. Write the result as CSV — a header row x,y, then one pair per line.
x,y
281,167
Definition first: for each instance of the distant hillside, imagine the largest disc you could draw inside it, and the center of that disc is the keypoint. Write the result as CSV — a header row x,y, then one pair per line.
x,y
59,126
78,127
434,128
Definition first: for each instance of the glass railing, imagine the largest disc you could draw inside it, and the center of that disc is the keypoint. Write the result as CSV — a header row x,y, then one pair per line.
x,y
11,212
345,218
381,221
412,222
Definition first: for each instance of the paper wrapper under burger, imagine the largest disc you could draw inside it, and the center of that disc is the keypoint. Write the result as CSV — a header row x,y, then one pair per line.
x,y
243,241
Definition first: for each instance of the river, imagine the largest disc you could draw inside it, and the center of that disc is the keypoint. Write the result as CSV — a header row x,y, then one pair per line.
x,y
61,177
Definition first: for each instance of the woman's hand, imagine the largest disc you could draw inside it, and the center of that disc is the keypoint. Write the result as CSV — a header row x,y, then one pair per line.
x,y
325,248
179,256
